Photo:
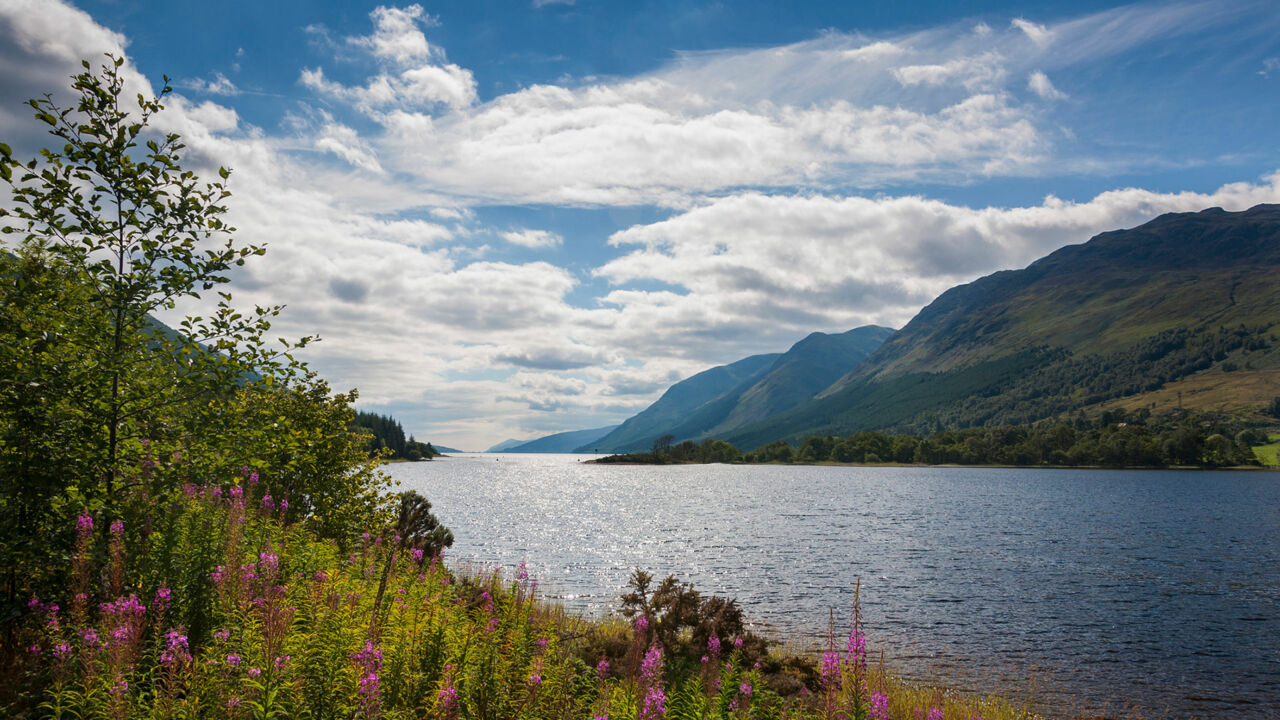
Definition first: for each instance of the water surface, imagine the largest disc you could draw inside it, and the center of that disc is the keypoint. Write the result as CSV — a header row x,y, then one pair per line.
x,y
1158,589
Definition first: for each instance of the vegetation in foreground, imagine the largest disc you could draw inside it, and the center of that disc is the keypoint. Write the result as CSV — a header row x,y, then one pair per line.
x,y
220,607
1111,439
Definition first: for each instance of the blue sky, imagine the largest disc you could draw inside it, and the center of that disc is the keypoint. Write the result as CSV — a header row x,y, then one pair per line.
x,y
514,218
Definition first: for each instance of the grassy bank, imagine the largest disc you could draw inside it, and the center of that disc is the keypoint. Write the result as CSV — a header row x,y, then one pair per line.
x,y
224,610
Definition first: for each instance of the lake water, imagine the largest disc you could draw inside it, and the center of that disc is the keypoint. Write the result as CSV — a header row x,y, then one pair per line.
x,y
1117,589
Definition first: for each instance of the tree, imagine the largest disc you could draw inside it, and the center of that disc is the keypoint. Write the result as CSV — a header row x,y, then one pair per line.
x,y
111,210
110,229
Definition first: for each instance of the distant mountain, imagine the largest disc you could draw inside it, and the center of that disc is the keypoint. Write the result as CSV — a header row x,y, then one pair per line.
x,y
751,390
505,444
1180,312
639,432
565,442
444,449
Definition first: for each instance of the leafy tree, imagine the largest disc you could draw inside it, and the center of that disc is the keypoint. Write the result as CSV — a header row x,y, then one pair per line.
x,y
111,208
110,229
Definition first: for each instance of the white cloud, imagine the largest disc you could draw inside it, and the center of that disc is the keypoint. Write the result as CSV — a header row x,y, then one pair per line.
x,y
1269,65
975,72
1039,34
1039,84
219,85
533,238
396,35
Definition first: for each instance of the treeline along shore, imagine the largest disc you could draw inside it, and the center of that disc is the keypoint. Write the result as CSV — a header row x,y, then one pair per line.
x,y
1113,439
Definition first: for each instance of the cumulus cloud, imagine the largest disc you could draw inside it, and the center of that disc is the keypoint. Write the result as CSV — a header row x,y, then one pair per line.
x,y
555,357
1038,34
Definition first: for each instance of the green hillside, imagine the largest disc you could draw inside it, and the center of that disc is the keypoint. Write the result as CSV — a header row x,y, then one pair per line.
x,y
786,381
1128,319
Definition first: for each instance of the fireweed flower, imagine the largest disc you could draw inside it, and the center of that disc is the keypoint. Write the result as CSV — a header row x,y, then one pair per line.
x,y
737,643
654,702
222,635
713,645
935,713
254,672
602,669
175,651
642,625
879,706
233,660
831,669
524,572
745,689
417,554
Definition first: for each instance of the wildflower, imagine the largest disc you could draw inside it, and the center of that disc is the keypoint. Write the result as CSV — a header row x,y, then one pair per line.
x,y
34,603
654,704
269,560
117,528
705,659
233,701
745,689
281,661
879,706
175,651
737,643
642,625
535,680
935,713
524,572
284,504
236,492
254,672
161,601
253,478
216,493
831,669
90,638
84,525
222,635
61,650
34,650
233,660
713,645
267,503
602,669
417,554
120,688
447,698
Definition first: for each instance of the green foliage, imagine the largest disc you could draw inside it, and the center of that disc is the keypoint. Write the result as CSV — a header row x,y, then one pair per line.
x,y
100,402
387,436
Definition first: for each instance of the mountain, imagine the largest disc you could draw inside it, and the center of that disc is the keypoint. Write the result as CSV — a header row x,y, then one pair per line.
x,y
444,449
639,431
505,444
565,442
1180,312
711,403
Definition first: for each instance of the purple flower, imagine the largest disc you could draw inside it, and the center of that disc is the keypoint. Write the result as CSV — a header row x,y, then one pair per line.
x,y
737,643
61,650
524,572
253,478
284,504
642,625
34,650
269,560
713,644
447,698
233,701
266,502
84,525
745,689
117,528
222,635
879,706
935,713
417,554
654,704
175,651
254,672
233,660
705,659
236,492
535,680
602,669
90,638
831,669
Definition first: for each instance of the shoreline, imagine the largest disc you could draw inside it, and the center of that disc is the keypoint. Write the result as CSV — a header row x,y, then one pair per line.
x,y
830,463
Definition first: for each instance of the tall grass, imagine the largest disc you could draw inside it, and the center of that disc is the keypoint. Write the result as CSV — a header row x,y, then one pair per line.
x,y
219,609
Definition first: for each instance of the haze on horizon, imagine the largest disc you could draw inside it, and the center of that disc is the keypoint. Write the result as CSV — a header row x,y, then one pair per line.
x,y
508,219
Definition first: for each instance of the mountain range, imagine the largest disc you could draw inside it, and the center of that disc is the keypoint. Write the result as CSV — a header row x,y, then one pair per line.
x,y
1181,313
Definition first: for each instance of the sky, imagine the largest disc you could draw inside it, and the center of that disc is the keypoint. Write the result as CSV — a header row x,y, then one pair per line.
x,y
512,218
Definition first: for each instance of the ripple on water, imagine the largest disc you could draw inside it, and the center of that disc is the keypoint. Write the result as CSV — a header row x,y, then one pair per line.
x,y
1154,589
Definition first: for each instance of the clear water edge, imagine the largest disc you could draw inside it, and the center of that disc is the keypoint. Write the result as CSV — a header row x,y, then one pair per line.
x,y
1106,589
